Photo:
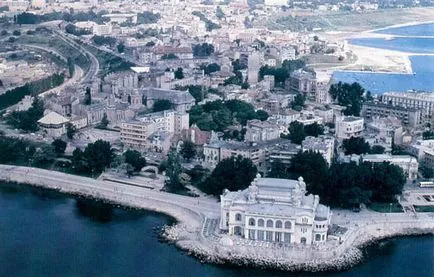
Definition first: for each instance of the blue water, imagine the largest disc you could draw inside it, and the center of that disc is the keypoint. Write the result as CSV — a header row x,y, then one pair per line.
x,y
423,66
44,233
416,30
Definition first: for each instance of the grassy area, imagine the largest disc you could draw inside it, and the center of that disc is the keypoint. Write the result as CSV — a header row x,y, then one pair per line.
x,y
350,21
386,207
424,209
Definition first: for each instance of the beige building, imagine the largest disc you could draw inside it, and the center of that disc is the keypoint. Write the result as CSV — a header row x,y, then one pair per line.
x,y
324,145
409,164
153,130
349,126
258,131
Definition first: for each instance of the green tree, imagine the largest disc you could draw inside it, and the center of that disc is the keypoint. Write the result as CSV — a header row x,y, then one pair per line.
x,y
296,132
203,50
59,146
219,13
355,145
426,171
313,168
16,33
377,149
179,73
298,102
173,170
87,97
162,105
135,159
121,47
104,121
188,150
234,173
70,131
351,96
71,67
314,129
98,156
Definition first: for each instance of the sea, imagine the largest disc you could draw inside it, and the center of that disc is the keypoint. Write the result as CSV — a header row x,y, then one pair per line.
x,y
45,233
422,65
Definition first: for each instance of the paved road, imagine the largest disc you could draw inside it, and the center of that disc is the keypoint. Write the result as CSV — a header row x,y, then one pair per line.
x,y
205,206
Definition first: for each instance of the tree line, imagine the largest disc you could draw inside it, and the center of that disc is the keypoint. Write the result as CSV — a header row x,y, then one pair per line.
x,y
13,96
218,115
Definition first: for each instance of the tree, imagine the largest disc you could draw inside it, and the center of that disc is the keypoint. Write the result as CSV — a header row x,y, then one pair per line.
x,y
350,96
388,181
210,68
314,129
262,115
188,150
121,47
71,67
377,149
16,33
59,146
135,159
179,73
296,132
298,102
173,170
234,173
313,168
104,121
70,130
203,50
426,171
87,97
219,13
162,105
28,120
98,156
355,145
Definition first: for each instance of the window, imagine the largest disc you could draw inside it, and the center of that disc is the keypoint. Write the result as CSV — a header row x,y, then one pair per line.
x,y
270,223
252,234
251,222
278,236
278,224
261,235
260,222
287,237
303,240
269,236
317,237
238,217
304,220
287,224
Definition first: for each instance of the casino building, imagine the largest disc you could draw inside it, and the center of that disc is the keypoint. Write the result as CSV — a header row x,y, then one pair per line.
x,y
275,210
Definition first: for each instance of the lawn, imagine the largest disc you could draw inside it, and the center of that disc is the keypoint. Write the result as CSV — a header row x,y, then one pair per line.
x,y
386,207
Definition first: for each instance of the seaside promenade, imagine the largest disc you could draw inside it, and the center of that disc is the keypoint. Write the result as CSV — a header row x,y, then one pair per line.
x,y
197,223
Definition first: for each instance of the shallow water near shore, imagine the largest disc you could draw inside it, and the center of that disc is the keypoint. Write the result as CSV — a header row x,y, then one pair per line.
x,y
45,233
423,66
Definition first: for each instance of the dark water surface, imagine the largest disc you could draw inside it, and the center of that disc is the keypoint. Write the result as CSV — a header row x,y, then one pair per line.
x,y
44,233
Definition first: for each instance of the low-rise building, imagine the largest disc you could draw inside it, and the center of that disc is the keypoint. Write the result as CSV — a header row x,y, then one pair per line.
x,y
324,145
409,164
53,124
258,131
349,126
275,210
409,116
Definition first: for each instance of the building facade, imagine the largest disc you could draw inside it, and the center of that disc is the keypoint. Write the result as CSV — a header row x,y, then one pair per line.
x,y
275,210
349,126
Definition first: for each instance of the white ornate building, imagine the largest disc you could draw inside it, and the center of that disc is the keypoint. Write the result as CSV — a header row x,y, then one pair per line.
x,y
275,210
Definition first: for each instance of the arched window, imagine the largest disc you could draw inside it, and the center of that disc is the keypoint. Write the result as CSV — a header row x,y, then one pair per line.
x,y
238,217
251,222
287,224
270,223
303,240
278,224
260,222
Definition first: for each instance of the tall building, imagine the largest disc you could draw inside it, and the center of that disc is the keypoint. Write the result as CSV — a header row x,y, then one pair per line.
x,y
275,210
253,66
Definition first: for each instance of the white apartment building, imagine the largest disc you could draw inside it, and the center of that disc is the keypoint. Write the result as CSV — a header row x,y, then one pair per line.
x,y
349,126
102,30
136,133
275,210
418,100
275,2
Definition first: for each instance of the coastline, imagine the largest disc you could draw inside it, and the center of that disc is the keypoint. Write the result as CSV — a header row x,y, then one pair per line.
x,y
188,233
